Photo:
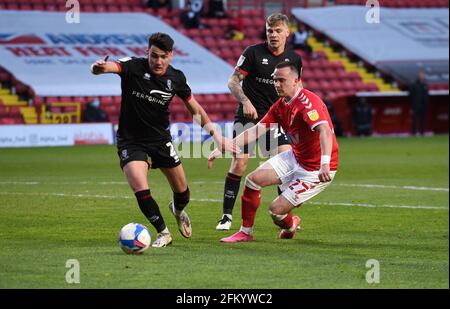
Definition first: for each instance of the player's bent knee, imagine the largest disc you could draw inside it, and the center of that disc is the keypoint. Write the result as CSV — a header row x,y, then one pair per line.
x,y
238,167
275,216
250,183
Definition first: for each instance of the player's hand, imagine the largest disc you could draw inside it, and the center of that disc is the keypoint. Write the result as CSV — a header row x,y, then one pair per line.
x,y
99,65
212,156
229,145
249,110
324,173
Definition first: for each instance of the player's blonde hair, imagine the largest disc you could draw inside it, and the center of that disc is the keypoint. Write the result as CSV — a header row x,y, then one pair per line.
x,y
276,18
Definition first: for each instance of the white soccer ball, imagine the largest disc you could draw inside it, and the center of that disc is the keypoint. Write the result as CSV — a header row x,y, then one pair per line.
x,y
134,238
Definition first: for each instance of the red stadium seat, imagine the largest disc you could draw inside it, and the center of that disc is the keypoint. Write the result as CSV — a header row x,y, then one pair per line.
x,y
5,77
237,52
312,85
215,51
124,8
38,7
227,53
50,100
135,2
106,100
117,100
371,87
54,8
231,61
215,117
100,8
8,120
222,98
88,8
25,7
12,6
113,8
69,109
354,76
217,32
21,88
38,101
200,41
209,98
177,107
79,99
65,99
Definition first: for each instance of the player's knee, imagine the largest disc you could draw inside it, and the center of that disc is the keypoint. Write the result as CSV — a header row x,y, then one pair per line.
x,y
274,214
137,186
250,182
239,166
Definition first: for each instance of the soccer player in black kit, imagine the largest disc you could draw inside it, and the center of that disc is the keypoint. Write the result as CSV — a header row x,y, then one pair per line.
x,y
148,86
256,95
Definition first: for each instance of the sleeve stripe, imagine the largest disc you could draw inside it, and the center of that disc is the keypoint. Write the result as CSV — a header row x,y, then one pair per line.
x,y
242,71
189,98
316,124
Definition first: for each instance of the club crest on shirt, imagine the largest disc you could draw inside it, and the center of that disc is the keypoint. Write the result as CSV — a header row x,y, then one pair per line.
x,y
241,60
313,115
265,61
147,76
169,85
124,154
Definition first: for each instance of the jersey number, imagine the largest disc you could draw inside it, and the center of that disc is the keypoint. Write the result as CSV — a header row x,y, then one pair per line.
x,y
173,153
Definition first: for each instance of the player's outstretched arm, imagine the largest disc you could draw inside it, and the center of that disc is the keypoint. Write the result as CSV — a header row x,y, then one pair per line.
x,y
104,66
326,145
242,139
201,117
234,84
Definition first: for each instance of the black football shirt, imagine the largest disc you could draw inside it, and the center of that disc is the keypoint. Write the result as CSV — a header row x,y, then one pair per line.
x,y
257,64
144,111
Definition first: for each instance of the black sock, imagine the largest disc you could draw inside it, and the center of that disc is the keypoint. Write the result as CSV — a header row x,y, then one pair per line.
x,y
150,209
231,190
279,191
180,200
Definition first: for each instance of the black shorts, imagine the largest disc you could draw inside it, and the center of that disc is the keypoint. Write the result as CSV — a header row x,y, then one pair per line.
x,y
267,143
157,155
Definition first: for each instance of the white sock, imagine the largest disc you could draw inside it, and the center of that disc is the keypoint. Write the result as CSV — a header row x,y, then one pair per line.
x,y
247,230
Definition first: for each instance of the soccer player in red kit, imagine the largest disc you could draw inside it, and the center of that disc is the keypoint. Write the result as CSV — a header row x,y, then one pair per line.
x,y
301,173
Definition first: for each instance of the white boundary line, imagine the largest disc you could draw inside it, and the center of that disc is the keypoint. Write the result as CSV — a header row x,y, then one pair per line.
x,y
220,201
107,183
391,187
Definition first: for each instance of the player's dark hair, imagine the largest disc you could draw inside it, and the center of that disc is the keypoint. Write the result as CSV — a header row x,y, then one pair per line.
x,y
291,65
275,18
161,40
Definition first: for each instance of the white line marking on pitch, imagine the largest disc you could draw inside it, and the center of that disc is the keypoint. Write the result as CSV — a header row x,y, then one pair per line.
x,y
107,183
220,201
391,187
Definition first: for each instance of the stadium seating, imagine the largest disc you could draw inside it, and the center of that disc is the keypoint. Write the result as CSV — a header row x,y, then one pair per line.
x,y
323,76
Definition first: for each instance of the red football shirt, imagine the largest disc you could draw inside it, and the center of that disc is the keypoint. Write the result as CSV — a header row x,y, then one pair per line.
x,y
298,118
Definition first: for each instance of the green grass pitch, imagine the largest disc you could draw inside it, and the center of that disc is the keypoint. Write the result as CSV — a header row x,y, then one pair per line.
x,y
389,202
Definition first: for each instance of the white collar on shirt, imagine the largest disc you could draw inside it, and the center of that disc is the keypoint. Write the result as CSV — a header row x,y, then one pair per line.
x,y
293,97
